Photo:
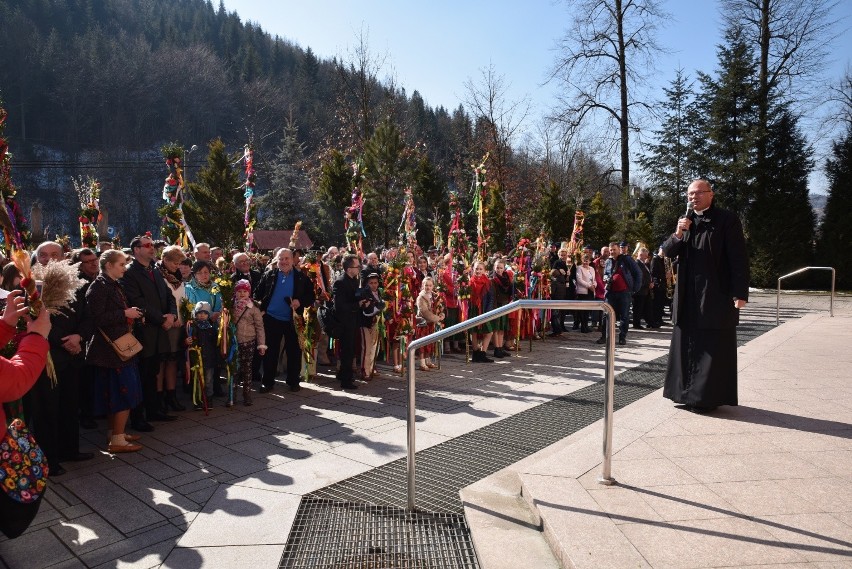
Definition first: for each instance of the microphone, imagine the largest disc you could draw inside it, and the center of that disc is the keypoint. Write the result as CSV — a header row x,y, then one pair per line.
x,y
690,210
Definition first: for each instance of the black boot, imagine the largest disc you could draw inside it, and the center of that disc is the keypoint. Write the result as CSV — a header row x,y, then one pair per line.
x,y
172,401
481,357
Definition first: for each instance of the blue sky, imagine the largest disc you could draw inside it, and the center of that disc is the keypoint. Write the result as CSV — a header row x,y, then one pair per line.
x,y
434,46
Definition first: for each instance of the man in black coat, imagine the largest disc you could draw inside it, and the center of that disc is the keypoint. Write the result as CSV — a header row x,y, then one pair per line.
x,y
658,291
346,308
642,297
53,411
712,286
145,288
282,290
243,271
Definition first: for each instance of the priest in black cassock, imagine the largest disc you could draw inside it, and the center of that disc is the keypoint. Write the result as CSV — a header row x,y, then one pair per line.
x,y
712,285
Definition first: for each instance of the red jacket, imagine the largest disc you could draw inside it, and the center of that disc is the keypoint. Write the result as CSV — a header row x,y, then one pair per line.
x,y
19,374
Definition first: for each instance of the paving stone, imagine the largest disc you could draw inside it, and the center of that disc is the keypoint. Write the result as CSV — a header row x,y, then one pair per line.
x,y
242,435
124,550
189,489
149,557
86,533
270,453
204,450
162,498
177,462
201,495
238,515
34,549
157,469
234,556
237,463
189,477
116,505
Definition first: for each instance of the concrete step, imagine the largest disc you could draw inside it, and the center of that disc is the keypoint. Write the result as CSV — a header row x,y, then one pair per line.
x,y
506,532
579,533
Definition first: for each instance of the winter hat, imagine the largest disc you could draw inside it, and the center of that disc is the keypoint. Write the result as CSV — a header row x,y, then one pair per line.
x,y
201,306
243,284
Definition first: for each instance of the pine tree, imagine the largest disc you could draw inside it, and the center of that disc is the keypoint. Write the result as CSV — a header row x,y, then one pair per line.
x,y
833,248
216,205
288,197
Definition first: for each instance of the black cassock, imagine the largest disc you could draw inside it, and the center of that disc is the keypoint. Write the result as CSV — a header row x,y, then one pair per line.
x,y
712,270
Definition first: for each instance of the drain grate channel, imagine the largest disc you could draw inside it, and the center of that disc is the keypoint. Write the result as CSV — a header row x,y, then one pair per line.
x,y
328,534
361,522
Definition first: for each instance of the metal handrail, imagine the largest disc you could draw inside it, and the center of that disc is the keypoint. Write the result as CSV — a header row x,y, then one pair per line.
x,y
609,377
802,270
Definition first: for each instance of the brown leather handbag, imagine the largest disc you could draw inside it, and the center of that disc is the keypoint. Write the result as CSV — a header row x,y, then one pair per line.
x,y
125,346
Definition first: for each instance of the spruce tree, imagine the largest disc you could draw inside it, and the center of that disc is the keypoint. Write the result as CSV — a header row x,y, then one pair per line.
x,y
672,160
429,192
668,163
833,248
216,206
495,219
781,220
552,215
600,225
288,197
386,173
728,113
334,194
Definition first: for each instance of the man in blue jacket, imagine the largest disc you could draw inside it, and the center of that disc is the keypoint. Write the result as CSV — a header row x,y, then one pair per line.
x,y
283,291
622,277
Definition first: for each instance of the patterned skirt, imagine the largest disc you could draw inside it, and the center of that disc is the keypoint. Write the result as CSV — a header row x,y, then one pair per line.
x,y
116,389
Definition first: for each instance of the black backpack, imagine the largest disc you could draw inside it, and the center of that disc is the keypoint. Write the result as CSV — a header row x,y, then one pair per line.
x,y
328,320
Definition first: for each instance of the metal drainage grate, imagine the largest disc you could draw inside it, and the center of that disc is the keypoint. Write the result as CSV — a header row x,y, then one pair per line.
x,y
361,522
328,534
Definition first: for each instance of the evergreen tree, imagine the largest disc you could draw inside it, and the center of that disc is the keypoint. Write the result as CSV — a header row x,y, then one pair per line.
x,y
599,227
728,114
334,194
288,197
781,220
668,164
429,191
495,220
553,212
216,205
386,173
833,248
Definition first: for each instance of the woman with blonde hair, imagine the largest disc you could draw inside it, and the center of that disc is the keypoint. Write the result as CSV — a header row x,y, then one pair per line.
x,y
425,302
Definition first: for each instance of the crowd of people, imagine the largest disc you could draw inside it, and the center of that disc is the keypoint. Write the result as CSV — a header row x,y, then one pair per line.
x,y
172,300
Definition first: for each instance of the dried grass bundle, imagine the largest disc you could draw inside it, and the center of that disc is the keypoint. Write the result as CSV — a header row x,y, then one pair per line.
x,y
59,284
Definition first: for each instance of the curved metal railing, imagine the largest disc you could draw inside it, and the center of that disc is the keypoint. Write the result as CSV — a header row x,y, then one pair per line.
x,y
609,376
802,270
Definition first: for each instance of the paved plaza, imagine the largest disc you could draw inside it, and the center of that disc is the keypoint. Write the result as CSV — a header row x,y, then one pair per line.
x,y
223,490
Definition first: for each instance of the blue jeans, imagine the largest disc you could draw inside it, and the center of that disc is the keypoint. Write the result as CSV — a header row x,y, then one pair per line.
x,y
620,302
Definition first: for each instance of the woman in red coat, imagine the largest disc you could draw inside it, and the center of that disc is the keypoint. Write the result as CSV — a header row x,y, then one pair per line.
x,y
17,375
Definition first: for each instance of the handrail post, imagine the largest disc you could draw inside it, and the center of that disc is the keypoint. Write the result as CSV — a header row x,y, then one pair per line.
x,y
609,398
412,418
802,270
778,303
831,302
609,379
